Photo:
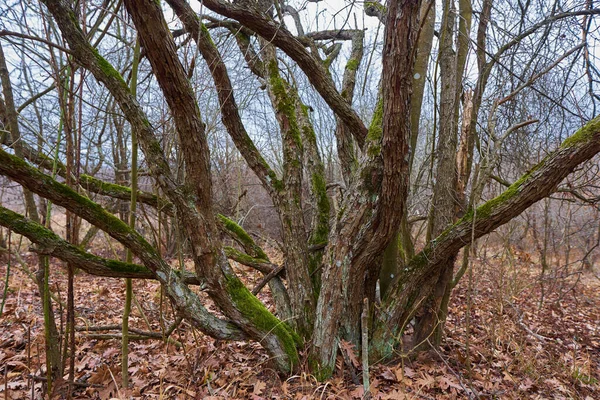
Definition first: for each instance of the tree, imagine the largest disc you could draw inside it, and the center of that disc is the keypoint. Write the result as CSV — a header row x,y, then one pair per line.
x,y
334,259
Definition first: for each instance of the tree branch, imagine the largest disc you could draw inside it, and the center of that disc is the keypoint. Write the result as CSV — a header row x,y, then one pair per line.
x,y
541,181
48,243
184,299
278,35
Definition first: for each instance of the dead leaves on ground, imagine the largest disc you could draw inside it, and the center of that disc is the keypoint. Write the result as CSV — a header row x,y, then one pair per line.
x,y
503,357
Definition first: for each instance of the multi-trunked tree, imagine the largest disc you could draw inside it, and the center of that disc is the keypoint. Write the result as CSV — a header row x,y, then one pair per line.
x,y
333,260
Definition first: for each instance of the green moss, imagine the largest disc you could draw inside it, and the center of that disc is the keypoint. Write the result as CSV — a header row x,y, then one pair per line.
x,y
376,5
373,150
120,266
70,198
205,32
319,372
284,102
19,224
307,128
255,311
327,62
320,233
242,236
277,183
319,188
485,210
107,68
376,127
105,188
45,237
352,64
584,134
241,257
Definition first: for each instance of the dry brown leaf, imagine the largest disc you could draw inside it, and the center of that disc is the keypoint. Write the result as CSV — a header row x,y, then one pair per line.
x,y
388,375
348,348
395,395
259,387
426,380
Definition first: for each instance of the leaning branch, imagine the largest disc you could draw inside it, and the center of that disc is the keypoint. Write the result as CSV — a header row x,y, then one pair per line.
x,y
540,182
183,298
230,115
48,243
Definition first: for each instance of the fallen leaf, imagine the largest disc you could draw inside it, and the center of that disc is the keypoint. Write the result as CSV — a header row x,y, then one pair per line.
x,y
349,350
259,387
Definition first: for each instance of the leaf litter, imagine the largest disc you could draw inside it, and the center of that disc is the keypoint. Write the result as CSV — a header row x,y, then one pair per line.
x,y
506,345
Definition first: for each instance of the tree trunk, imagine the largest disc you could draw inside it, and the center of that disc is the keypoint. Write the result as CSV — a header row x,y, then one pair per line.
x,y
401,249
445,198
371,213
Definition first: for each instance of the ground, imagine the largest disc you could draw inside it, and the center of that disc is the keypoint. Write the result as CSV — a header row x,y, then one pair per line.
x,y
512,333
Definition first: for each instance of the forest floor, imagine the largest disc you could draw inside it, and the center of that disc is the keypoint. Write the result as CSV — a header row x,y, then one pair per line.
x,y
511,334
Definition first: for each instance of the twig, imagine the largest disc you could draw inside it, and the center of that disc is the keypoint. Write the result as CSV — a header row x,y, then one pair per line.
x,y
119,336
525,327
76,383
364,319
267,278
469,391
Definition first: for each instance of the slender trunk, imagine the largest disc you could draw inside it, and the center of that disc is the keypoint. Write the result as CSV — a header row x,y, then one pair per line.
x,y
289,202
401,248
445,197
132,218
52,336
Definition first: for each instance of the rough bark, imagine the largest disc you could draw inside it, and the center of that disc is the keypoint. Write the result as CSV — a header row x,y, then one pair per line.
x,y
90,183
183,298
223,286
319,201
229,110
285,101
371,213
231,119
401,249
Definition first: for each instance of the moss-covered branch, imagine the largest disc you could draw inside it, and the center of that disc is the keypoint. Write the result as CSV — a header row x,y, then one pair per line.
x,y
48,243
541,181
242,237
90,183
258,264
183,298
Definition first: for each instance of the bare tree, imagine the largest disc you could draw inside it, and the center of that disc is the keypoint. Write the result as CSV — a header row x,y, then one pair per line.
x,y
333,251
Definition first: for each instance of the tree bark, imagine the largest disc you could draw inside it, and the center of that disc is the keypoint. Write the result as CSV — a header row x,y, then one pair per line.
x,y
373,209
428,322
